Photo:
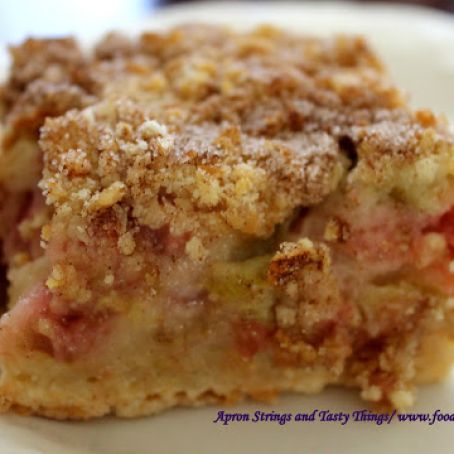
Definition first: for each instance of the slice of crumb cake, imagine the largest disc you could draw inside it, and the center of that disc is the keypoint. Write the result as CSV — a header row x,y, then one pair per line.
x,y
201,215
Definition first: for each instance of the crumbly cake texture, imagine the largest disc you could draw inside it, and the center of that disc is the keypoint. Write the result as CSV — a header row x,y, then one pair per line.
x,y
200,215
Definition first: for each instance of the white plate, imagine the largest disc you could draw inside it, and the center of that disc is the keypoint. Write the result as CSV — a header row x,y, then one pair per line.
x,y
417,45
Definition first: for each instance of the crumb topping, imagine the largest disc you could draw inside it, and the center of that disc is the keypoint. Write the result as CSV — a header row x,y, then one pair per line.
x,y
225,115
204,171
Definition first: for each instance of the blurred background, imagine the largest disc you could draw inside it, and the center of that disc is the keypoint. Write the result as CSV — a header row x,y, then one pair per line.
x,y
20,18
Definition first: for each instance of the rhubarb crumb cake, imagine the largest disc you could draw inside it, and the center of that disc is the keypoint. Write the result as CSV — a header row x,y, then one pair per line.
x,y
201,215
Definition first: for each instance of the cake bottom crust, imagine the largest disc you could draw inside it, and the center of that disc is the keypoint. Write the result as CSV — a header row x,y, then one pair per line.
x,y
40,386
